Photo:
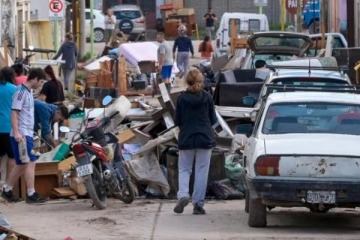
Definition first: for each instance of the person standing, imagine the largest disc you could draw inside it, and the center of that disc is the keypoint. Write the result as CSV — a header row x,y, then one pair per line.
x,y
184,46
110,22
52,91
194,115
69,52
206,48
210,19
165,60
7,90
20,77
21,137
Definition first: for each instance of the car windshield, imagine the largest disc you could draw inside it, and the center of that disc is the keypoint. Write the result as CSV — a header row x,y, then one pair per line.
x,y
127,14
280,41
314,117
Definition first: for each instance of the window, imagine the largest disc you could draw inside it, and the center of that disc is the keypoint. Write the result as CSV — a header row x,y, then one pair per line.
x,y
314,117
87,16
128,14
254,25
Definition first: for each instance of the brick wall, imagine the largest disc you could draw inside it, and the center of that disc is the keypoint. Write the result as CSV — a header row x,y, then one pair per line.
x,y
220,6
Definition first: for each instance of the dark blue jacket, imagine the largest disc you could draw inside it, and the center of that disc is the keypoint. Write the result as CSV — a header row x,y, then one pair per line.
x,y
183,44
44,114
195,115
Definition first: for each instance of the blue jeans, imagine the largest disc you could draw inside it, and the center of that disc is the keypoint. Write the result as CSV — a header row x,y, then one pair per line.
x,y
202,164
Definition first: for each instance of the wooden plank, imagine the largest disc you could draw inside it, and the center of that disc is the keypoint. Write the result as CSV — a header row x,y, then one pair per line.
x,y
63,192
122,76
126,135
38,34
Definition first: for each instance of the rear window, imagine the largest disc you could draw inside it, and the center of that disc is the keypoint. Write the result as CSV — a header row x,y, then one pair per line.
x,y
253,25
314,117
282,41
127,14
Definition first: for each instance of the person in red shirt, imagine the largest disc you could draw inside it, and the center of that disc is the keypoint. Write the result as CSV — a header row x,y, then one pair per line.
x,y
206,49
20,78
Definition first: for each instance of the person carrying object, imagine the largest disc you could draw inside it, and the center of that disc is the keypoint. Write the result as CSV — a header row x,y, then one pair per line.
x,y
195,116
165,60
21,137
184,46
45,116
68,52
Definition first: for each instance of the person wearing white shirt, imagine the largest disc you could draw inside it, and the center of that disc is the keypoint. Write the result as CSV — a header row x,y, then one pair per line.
x,y
110,21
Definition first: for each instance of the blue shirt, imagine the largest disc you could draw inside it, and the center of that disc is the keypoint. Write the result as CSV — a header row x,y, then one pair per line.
x,y
44,113
7,91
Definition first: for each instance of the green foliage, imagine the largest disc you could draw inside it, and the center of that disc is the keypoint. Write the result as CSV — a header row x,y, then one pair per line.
x,y
276,27
86,57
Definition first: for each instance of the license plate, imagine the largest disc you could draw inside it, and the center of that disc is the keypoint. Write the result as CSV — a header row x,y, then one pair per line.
x,y
321,197
84,170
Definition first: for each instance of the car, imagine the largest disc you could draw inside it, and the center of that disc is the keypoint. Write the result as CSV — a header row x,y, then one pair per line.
x,y
337,41
302,152
275,46
99,25
131,19
302,76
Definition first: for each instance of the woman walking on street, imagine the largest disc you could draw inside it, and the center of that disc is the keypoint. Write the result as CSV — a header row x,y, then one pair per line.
x,y
195,115
206,49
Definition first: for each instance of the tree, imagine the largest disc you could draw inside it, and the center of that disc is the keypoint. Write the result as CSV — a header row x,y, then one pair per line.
x,y
8,22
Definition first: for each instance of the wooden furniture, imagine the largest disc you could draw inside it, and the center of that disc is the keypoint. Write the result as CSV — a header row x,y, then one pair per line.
x,y
48,175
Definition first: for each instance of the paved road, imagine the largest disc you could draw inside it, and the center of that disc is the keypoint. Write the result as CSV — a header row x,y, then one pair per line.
x,y
154,220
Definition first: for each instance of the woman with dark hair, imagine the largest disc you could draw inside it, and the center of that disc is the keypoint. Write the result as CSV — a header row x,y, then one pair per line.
x,y
20,77
195,115
7,90
206,49
52,91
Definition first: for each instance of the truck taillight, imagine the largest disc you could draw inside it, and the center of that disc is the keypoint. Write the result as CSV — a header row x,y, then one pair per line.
x,y
217,42
267,166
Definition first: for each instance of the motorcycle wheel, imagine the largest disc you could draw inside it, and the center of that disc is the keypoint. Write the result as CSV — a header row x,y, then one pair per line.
x,y
126,194
95,189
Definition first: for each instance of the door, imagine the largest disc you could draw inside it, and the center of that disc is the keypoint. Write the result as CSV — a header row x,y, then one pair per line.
x,y
148,8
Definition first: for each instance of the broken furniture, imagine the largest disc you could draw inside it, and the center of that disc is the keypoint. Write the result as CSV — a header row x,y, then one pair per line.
x,y
185,16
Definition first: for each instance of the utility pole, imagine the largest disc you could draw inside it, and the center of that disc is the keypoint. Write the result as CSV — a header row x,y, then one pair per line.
x,y
282,15
82,28
7,23
298,15
91,27
323,18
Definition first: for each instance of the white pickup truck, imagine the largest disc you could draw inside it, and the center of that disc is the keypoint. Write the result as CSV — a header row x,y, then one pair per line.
x,y
303,152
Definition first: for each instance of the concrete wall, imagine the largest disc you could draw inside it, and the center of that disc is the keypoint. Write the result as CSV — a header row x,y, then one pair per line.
x,y
220,6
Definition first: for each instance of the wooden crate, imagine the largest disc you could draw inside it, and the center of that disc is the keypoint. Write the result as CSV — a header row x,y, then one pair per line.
x,y
104,79
48,175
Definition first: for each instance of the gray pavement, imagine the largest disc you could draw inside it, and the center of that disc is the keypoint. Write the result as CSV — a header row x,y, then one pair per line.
x,y
155,220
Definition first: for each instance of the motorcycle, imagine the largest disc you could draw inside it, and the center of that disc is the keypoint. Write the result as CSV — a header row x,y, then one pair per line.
x,y
99,161
210,77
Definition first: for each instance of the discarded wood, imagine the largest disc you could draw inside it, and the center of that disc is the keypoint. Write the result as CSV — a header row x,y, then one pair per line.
x,y
154,114
141,124
63,192
223,124
125,135
151,126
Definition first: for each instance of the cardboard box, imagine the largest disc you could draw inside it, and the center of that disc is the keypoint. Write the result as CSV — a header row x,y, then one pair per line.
x,y
125,135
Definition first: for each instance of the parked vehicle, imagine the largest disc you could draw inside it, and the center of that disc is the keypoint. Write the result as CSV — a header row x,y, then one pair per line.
x,y
311,16
99,25
131,19
302,152
246,23
275,46
337,41
99,162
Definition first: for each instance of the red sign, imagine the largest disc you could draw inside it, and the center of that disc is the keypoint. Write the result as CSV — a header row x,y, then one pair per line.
x,y
291,5
56,6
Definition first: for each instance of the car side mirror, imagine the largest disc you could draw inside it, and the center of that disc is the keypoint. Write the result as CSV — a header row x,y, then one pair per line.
x,y
249,101
245,129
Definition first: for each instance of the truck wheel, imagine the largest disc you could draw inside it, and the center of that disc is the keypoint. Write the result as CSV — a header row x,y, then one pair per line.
x,y
257,213
314,27
246,201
